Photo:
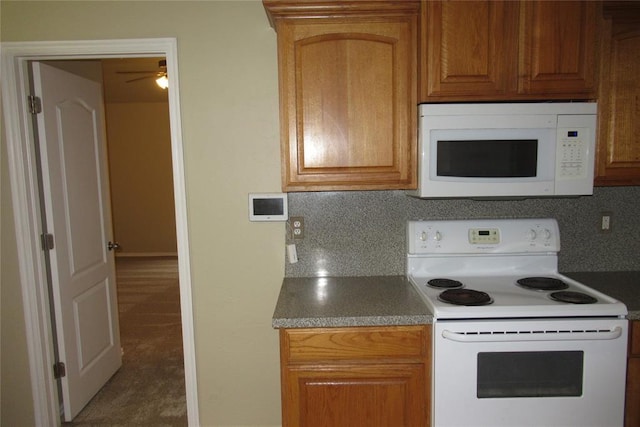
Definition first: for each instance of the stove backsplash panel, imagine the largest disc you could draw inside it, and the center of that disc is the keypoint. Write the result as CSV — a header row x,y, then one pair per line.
x,y
363,233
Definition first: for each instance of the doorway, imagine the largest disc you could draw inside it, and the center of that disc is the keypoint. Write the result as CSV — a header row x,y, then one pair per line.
x,y
149,386
26,210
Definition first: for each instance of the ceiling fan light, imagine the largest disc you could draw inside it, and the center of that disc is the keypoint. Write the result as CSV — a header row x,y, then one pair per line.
x,y
163,82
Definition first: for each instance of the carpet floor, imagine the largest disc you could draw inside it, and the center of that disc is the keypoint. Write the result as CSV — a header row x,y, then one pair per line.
x,y
149,389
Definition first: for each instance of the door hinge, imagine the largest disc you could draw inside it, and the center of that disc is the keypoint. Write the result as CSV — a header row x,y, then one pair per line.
x,y
47,241
59,370
35,105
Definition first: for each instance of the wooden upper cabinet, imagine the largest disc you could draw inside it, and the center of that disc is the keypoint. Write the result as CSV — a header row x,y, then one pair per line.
x,y
348,94
507,50
558,47
618,156
468,49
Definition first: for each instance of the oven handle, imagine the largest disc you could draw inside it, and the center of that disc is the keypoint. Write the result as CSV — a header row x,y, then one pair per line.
x,y
612,334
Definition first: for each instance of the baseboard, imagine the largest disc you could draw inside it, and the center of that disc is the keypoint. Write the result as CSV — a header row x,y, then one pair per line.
x,y
146,254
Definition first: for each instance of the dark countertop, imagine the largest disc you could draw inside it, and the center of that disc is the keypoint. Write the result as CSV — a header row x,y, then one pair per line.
x,y
316,302
621,285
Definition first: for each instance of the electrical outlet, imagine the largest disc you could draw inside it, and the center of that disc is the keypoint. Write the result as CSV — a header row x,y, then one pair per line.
x,y
297,227
605,222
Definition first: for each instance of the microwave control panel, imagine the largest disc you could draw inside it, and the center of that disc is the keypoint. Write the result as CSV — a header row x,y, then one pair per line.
x,y
573,152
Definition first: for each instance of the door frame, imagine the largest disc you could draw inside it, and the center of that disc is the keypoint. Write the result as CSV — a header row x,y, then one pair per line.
x,y
26,209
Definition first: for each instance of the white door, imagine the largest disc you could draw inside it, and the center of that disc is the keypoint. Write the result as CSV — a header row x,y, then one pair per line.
x,y
76,203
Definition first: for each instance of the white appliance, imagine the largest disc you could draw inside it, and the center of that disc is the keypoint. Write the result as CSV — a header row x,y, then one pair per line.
x,y
515,342
507,150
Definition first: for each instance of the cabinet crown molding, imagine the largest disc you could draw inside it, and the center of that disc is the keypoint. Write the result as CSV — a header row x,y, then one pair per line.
x,y
301,9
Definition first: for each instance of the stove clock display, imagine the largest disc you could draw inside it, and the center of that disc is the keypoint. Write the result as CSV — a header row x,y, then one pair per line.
x,y
484,236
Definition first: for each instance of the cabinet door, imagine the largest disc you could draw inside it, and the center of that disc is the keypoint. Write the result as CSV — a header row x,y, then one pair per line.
x,y
632,404
468,49
356,376
391,395
618,157
557,49
348,102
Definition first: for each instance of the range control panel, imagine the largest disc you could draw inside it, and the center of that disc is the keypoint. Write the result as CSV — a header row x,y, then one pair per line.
x,y
478,236
483,236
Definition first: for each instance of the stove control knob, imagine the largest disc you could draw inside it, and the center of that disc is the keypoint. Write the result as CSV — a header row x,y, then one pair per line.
x,y
437,237
546,234
531,234
424,236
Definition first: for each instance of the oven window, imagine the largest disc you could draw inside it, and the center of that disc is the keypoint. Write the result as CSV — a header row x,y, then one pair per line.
x,y
530,374
507,158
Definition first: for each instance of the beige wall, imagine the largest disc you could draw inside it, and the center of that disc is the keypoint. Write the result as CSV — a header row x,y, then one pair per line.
x,y
141,178
228,88
15,389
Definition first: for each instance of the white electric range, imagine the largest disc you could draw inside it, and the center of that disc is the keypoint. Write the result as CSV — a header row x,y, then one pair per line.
x,y
516,343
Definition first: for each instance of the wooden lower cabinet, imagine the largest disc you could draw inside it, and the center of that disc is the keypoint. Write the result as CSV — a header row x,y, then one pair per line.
x,y
632,404
360,376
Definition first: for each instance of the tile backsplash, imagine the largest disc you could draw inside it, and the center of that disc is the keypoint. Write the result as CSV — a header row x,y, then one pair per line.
x,y
363,233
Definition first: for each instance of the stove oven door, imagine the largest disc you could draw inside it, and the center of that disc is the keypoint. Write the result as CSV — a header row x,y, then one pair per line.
x,y
567,372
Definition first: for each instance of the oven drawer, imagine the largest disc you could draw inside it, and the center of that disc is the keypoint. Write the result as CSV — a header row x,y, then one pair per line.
x,y
360,343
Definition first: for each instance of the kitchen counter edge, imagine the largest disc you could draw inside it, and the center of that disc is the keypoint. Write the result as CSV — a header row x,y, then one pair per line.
x,y
324,302
318,302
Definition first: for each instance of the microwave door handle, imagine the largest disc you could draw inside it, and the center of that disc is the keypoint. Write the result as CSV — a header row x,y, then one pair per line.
x,y
590,335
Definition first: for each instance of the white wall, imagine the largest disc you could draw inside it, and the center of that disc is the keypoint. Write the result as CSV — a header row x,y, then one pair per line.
x,y
229,99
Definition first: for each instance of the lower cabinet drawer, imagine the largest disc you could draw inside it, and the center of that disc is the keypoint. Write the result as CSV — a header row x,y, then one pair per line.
x,y
634,338
304,345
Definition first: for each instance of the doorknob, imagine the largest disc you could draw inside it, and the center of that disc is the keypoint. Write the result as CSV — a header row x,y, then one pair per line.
x,y
113,246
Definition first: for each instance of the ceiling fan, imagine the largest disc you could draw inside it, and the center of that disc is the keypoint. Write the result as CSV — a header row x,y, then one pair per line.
x,y
160,75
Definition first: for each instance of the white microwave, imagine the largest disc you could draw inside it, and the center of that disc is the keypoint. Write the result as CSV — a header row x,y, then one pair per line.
x,y
506,150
